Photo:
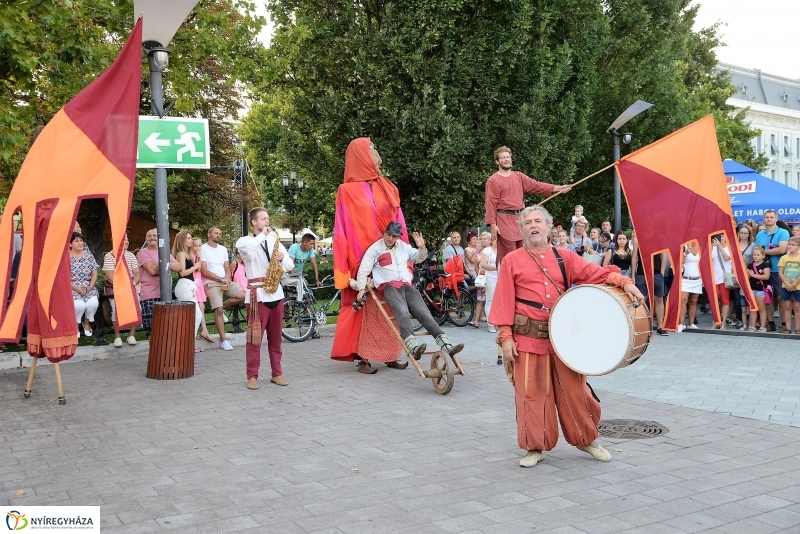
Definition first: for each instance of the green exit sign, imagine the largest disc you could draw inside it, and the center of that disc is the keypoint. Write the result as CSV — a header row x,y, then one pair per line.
x,y
173,143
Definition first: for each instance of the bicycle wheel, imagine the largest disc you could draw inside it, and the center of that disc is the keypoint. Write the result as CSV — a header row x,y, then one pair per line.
x,y
460,310
298,321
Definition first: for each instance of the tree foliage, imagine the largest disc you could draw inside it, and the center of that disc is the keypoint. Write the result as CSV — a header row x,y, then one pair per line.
x,y
439,84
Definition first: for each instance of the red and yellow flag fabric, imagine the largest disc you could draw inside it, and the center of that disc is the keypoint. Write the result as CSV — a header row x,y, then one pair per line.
x,y
676,193
88,150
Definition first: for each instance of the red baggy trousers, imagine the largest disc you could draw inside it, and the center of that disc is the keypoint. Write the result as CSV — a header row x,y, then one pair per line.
x,y
543,387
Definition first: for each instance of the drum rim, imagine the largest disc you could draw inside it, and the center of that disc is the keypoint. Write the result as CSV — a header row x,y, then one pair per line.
x,y
629,317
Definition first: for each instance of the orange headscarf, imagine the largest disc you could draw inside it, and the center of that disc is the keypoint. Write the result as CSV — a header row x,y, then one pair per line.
x,y
359,167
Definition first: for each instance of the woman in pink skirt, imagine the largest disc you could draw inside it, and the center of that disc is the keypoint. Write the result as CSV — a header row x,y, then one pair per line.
x,y
201,292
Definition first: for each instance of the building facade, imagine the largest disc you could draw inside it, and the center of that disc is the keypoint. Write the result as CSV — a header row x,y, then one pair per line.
x,y
774,108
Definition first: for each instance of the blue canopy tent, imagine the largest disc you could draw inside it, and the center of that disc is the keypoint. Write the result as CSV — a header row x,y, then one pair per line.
x,y
751,194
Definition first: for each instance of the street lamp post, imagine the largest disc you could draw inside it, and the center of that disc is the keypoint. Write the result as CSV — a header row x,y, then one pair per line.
x,y
636,108
293,184
240,179
160,22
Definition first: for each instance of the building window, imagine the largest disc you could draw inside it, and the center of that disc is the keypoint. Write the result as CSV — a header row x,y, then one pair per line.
x,y
772,175
759,149
787,148
786,178
773,146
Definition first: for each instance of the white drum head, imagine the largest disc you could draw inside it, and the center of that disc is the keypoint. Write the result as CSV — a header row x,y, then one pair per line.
x,y
590,330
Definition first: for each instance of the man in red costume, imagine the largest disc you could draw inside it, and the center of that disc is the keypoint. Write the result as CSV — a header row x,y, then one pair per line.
x,y
504,201
530,281
365,205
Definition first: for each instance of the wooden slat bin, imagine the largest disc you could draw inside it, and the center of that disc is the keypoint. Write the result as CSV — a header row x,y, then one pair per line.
x,y
172,341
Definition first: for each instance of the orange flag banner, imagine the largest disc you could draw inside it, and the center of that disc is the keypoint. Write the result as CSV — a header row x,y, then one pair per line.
x,y
88,150
676,193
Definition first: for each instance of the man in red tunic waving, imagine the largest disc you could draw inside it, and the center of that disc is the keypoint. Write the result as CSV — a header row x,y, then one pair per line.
x,y
504,192
530,281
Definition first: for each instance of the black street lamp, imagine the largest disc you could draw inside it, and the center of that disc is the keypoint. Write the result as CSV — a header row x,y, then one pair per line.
x,y
293,184
240,181
637,107
161,21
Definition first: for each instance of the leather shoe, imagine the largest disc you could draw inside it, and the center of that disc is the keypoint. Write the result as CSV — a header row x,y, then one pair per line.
x,y
531,459
279,380
597,452
366,368
252,383
397,364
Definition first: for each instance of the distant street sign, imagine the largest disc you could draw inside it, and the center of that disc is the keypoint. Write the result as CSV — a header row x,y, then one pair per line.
x,y
173,143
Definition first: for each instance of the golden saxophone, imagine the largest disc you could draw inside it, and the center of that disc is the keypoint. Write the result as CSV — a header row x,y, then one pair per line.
x,y
274,271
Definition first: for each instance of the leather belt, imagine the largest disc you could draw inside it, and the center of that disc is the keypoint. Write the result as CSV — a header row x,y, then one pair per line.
x,y
510,212
691,278
525,326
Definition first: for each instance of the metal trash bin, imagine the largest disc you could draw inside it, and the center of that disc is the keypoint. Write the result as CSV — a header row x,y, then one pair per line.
x,y
172,341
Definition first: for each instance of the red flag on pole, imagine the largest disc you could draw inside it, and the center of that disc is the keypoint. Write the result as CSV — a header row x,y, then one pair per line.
x,y
676,193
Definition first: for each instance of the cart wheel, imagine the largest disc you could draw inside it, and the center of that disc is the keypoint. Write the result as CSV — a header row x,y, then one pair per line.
x,y
444,382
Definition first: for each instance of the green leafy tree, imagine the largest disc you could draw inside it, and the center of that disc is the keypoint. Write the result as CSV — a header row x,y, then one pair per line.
x,y
439,84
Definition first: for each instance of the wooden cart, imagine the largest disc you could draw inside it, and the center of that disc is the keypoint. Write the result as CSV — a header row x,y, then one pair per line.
x,y
441,373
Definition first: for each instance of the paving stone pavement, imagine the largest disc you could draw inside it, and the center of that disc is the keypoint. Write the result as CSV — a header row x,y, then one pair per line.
x,y
341,452
746,376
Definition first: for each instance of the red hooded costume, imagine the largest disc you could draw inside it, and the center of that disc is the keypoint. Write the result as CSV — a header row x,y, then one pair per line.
x,y
365,204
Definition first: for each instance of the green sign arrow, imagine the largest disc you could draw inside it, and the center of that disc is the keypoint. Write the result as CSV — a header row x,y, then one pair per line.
x,y
173,143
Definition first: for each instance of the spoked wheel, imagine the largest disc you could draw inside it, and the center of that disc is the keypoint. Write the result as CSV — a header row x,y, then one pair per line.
x,y
460,309
298,321
321,317
441,374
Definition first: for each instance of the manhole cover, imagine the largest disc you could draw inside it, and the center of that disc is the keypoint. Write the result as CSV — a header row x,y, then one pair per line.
x,y
630,429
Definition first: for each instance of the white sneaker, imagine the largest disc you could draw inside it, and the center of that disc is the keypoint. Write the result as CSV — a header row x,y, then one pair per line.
x,y
225,318
226,345
118,342
681,327
693,327
131,340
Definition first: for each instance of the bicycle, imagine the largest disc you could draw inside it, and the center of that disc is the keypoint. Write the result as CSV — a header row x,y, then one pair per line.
x,y
300,318
442,301
299,321
321,315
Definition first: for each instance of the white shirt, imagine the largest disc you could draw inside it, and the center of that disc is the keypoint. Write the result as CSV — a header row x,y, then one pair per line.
x,y
254,256
395,259
215,258
17,243
719,276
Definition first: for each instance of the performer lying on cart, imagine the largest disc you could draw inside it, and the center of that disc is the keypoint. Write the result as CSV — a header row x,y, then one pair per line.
x,y
387,260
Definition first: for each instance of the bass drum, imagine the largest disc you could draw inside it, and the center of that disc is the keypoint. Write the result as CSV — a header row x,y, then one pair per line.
x,y
596,329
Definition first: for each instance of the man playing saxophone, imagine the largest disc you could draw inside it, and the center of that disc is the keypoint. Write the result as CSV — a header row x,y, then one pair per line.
x,y
265,260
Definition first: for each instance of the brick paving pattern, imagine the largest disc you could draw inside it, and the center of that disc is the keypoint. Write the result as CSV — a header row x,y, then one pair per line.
x,y
341,452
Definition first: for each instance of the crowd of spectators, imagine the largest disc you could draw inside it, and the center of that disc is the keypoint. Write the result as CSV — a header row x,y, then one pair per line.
x,y
770,250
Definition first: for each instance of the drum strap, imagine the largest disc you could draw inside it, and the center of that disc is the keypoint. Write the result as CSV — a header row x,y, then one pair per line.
x,y
532,303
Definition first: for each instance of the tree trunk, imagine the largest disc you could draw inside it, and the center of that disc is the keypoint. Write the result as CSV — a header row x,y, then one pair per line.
x,y
92,216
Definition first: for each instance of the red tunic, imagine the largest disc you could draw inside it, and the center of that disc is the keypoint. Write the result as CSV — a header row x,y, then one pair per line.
x,y
520,277
505,193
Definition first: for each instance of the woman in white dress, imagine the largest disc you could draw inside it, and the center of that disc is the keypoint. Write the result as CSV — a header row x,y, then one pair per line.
x,y
691,285
488,261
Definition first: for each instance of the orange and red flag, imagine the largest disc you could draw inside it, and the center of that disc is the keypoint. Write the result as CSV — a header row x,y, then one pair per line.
x,y
88,150
676,193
